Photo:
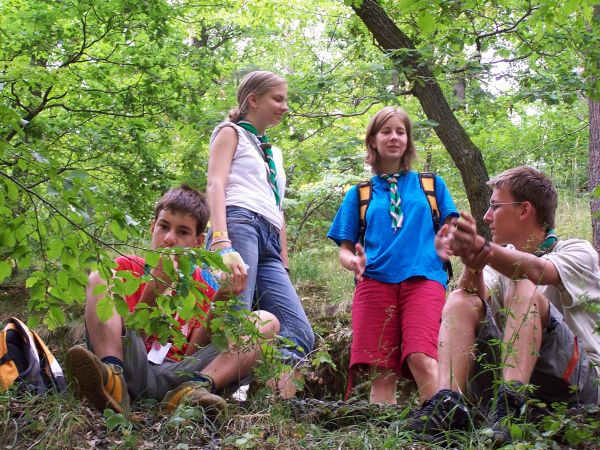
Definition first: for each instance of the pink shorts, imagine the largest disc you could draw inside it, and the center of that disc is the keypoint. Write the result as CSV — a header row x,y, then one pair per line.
x,y
391,321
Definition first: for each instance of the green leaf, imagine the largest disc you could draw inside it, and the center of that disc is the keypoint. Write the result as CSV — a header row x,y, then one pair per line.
x,y
152,258
100,289
5,270
56,318
121,306
426,23
31,281
105,308
132,285
409,6
118,231
12,191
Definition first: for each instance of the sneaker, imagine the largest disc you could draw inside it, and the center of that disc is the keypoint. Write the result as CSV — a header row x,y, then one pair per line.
x,y
509,406
194,393
102,384
443,412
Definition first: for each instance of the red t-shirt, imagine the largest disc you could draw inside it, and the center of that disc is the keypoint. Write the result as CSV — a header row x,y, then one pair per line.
x,y
136,265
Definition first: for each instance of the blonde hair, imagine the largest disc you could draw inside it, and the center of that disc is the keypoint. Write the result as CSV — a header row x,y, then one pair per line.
x,y
376,123
260,82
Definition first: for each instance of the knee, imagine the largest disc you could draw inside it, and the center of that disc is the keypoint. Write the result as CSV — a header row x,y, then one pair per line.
x,y
268,324
467,307
420,362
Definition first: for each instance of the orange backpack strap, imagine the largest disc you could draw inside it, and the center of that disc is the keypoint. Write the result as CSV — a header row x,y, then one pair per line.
x,y
39,372
365,191
8,369
427,180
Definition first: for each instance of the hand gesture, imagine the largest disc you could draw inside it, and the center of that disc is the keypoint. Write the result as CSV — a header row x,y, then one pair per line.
x,y
234,283
461,238
359,262
441,243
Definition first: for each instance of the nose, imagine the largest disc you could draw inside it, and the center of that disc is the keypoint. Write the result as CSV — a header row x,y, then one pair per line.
x,y
489,215
284,107
170,238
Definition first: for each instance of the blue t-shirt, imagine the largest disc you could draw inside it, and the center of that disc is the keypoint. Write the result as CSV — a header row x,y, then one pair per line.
x,y
394,256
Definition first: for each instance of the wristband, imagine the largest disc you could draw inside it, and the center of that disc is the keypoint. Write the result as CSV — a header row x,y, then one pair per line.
x,y
219,241
223,251
485,244
217,234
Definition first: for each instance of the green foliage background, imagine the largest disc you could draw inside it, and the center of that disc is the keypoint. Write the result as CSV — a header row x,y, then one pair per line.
x,y
104,106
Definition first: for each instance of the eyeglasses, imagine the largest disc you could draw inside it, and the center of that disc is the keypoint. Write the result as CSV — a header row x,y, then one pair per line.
x,y
495,206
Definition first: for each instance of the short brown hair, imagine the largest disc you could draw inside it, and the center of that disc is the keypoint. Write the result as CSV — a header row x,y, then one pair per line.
x,y
260,82
528,184
187,200
376,123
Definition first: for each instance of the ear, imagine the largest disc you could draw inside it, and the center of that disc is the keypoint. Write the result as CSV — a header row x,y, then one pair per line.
x,y
372,144
252,99
200,240
527,211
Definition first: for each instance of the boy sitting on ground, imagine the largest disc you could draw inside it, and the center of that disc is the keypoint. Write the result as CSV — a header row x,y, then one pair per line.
x,y
527,306
122,363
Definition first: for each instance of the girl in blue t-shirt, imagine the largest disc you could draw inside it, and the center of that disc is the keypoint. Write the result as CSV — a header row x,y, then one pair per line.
x,y
400,279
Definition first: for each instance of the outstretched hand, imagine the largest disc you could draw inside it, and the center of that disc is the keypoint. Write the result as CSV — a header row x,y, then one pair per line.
x,y
359,262
441,243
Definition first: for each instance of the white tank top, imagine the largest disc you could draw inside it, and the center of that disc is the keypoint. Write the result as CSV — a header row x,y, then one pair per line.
x,y
247,184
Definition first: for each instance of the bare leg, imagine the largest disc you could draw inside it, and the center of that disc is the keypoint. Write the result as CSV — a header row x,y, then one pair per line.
x,y
528,316
236,364
461,317
383,386
425,371
105,337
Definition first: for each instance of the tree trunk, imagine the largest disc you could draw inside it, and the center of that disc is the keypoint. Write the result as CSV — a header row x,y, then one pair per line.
x,y
464,153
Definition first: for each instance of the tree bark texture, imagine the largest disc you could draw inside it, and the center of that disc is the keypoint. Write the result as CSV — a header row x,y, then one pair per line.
x,y
594,169
465,154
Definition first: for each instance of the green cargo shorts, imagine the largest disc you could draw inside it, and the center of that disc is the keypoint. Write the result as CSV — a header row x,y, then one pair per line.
x,y
563,372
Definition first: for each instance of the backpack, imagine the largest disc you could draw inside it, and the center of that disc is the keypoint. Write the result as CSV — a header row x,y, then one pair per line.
x,y
25,359
427,182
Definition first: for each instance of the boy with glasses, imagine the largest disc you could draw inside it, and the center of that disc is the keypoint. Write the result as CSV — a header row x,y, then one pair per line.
x,y
522,323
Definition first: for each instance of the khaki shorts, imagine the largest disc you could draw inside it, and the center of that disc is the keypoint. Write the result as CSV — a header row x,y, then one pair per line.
x,y
563,372
149,380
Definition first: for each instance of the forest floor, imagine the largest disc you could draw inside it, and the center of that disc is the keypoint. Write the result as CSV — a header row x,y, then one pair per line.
x,y
316,419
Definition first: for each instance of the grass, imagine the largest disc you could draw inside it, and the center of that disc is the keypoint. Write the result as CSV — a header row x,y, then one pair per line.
x,y
59,421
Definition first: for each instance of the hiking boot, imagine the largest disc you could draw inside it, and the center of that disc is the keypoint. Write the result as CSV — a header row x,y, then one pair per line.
x,y
509,406
102,384
194,393
443,412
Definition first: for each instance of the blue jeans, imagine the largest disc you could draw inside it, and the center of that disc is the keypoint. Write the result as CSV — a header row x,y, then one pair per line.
x,y
259,244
